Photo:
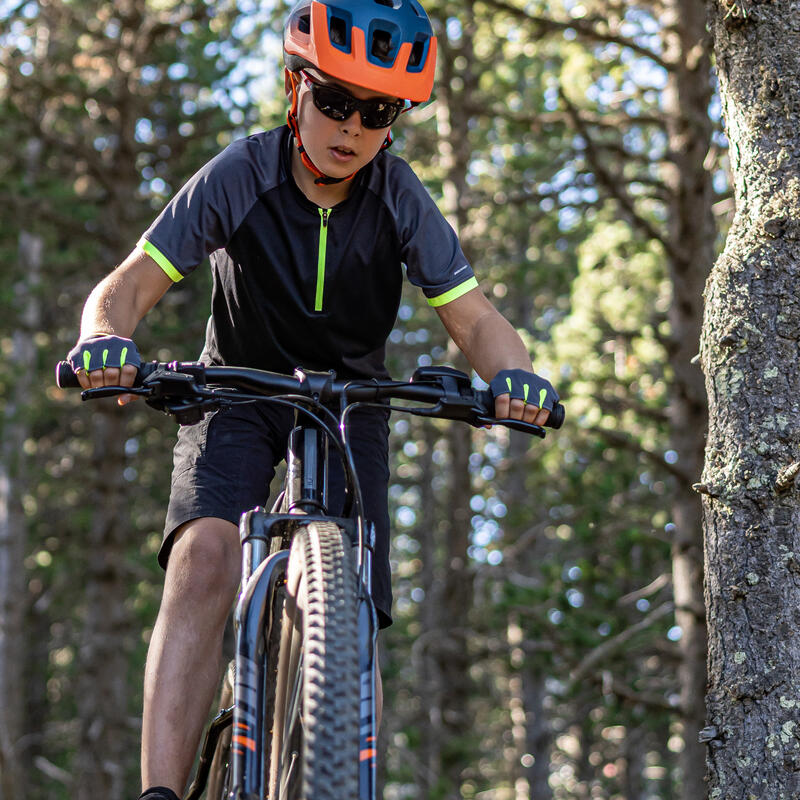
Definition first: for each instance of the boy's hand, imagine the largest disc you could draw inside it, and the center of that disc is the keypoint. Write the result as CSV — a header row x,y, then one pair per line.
x,y
105,360
522,395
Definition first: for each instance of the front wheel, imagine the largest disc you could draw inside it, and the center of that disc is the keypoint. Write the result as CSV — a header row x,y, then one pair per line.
x,y
314,748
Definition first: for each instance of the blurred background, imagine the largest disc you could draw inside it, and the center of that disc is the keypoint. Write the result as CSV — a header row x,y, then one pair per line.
x,y
549,636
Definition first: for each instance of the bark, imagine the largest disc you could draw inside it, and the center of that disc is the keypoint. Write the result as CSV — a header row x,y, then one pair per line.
x,y
13,478
749,354
692,233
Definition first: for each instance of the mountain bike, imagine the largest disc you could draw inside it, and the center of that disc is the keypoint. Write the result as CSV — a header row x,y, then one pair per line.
x,y
298,716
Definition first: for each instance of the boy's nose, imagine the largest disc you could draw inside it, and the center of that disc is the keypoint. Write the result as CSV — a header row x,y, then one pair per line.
x,y
352,123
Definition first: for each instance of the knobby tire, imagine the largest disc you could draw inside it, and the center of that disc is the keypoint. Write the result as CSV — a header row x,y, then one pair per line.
x,y
314,751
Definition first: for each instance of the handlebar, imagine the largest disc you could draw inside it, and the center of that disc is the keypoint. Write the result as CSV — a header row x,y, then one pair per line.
x,y
188,389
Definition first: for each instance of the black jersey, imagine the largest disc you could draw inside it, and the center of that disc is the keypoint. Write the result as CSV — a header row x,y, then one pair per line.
x,y
295,284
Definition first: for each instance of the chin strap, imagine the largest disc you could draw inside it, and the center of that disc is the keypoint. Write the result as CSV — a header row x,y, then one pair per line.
x,y
320,178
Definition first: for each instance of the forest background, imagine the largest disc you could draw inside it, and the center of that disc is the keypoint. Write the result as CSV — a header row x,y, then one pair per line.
x,y
550,628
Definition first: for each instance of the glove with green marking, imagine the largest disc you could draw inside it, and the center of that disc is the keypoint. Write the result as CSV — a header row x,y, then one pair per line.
x,y
99,352
523,385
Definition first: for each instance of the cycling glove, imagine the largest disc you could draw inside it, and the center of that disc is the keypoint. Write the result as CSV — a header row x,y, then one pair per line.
x,y
99,352
526,386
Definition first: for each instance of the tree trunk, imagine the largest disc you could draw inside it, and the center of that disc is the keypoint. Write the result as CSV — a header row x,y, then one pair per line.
x,y
13,588
104,735
750,357
532,732
428,672
457,580
635,746
539,737
692,234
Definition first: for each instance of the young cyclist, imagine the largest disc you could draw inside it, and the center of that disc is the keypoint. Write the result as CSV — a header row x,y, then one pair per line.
x,y
307,227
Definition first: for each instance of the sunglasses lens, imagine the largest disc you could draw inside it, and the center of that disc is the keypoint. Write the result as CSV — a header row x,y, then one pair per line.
x,y
340,105
375,114
332,103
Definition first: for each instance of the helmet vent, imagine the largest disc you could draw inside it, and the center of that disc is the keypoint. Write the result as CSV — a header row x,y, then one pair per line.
x,y
304,23
417,51
338,31
381,45
388,3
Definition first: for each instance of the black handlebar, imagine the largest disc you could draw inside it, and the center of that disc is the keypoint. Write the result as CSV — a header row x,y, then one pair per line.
x,y
183,389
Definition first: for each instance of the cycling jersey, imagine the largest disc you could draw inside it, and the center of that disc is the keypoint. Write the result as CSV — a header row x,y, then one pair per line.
x,y
295,284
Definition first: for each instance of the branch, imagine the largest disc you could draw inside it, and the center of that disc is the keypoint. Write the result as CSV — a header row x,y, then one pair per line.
x,y
616,643
583,28
630,444
52,771
610,120
617,191
654,586
616,404
612,685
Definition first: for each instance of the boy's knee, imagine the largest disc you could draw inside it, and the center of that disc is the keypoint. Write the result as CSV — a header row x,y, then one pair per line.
x,y
206,557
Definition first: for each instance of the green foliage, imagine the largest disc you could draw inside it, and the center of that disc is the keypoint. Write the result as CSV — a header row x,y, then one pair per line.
x,y
546,148
115,106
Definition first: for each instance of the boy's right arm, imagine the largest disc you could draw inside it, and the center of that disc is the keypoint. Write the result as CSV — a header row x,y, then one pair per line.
x,y
115,307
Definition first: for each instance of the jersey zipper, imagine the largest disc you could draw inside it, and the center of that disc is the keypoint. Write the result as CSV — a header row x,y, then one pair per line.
x,y
324,213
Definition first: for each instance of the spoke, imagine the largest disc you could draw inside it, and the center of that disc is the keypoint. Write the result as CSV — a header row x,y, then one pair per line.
x,y
293,717
288,777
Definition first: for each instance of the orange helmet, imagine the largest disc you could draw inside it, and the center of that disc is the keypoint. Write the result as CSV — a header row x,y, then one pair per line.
x,y
382,45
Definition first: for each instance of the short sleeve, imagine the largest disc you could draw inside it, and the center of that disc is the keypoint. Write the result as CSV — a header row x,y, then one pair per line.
x,y
429,246
203,216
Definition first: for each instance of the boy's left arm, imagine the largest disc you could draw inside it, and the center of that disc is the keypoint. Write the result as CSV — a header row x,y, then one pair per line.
x,y
491,345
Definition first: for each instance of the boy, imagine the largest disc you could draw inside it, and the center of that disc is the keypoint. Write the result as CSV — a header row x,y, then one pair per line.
x,y
307,227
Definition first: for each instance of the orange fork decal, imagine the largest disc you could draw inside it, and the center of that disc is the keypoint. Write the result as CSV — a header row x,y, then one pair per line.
x,y
245,741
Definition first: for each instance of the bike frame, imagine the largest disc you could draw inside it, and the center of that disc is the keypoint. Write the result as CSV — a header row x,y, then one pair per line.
x,y
181,389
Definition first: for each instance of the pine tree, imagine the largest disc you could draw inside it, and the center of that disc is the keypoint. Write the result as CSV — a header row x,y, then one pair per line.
x,y
749,354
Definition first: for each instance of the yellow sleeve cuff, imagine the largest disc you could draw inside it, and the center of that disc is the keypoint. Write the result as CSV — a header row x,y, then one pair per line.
x,y
454,293
160,259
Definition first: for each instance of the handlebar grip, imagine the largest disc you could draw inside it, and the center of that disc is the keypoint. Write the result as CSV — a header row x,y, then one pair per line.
x,y
66,377
556,418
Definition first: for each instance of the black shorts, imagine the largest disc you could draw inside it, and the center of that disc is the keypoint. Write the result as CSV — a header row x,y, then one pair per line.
x,y
223,466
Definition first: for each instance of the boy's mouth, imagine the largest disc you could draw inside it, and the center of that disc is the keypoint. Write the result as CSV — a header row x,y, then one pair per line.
x,y
342,152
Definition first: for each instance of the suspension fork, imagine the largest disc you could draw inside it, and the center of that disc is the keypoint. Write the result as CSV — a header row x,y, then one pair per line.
x,y
367,637
254,613
306,492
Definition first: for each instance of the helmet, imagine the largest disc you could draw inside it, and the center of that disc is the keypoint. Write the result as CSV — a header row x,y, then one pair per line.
x,y
382,45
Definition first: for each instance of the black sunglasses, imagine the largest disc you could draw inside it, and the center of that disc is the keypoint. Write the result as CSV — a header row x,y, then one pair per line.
x,y
339,105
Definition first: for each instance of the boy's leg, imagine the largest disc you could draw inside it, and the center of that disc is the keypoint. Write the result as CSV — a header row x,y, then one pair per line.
x,y
183,661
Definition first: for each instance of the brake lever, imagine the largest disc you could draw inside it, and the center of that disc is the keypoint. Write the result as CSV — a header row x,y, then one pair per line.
x,y
514,424
112,391
475,418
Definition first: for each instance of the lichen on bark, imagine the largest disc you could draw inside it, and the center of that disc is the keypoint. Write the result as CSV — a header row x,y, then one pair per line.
x,y
749,353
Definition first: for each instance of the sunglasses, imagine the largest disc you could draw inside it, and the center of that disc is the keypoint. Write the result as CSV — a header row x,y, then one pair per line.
x,y
339,105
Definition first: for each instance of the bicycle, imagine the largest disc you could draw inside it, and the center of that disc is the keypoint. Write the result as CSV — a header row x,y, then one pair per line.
x,y
299,722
